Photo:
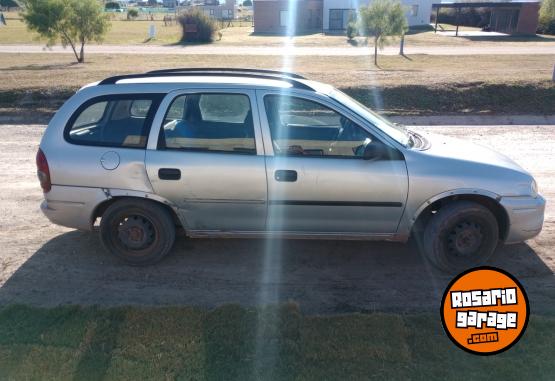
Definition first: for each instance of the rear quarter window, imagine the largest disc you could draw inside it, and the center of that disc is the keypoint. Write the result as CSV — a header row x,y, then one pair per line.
x,y
113,121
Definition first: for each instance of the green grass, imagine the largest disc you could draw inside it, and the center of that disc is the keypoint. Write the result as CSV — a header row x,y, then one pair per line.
x,y
235,343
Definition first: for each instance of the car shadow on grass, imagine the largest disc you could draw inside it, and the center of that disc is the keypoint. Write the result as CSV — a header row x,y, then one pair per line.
x,y
322,277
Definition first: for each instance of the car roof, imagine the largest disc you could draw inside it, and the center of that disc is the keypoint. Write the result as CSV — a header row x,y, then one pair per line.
x,y
215,77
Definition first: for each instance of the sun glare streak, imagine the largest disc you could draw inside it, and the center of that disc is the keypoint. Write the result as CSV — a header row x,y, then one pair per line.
x,y
269,293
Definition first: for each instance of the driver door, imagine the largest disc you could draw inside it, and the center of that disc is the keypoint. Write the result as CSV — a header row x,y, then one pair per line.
x,y
318,178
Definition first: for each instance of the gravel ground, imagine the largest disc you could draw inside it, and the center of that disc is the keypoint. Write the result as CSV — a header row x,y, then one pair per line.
x,y
43,264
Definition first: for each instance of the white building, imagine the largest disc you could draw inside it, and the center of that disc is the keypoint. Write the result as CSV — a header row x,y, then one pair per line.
x,y
337,13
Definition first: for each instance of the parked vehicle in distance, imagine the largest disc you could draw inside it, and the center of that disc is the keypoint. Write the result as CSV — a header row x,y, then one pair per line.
x,y
258,153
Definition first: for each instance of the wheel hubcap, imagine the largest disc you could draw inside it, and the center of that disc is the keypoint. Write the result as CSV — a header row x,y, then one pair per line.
x,y
136,232
465,239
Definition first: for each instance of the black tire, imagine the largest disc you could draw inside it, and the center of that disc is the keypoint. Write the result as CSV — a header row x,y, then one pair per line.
x,y
140,232
461,235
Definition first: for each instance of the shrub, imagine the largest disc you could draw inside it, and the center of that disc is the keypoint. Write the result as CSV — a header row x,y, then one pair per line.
x,y
352,30
477,17
547,17
203,30
547,27
112,5
132,13
8,4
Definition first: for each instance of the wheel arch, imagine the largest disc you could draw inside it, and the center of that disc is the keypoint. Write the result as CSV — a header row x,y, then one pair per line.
x,y
485,198
114,196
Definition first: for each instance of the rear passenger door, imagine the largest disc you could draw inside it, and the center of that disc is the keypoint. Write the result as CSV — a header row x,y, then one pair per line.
x,y
205,155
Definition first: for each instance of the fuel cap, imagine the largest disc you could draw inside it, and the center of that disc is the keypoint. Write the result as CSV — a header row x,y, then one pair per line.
x,y
110,160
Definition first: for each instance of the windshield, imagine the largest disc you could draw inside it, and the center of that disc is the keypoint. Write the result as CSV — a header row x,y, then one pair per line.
x,y
397,132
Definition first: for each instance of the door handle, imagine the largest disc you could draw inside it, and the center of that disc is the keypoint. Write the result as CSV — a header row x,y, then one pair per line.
x,y
169,174
285,175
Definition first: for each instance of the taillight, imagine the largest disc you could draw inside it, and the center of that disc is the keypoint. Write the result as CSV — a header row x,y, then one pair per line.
x,y
43,172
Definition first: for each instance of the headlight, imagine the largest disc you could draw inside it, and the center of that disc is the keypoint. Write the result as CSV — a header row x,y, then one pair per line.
x,y
534,188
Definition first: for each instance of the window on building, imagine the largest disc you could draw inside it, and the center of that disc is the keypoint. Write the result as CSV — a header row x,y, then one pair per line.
x,y
340,18
283,18
414,10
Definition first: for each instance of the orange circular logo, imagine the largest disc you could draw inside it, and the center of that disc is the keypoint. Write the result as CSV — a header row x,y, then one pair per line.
x,y
485,310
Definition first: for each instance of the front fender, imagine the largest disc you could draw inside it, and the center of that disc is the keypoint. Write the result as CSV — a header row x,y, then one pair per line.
x,y
412,214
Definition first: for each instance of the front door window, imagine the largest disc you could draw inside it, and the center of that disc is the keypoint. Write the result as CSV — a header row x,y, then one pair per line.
x,y
301,127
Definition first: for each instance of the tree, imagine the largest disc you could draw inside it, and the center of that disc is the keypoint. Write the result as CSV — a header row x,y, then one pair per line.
x,y
547,17
247,3
381,19
547,11
8,3
132,14
112,5
73,22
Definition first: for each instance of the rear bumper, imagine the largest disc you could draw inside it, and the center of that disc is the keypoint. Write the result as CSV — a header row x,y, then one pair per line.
x,y
72,207
525,217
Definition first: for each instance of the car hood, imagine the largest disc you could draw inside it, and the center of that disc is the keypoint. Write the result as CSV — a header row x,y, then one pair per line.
x,y
461,150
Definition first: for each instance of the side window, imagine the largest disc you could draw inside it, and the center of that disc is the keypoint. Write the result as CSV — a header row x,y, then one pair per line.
x,y
300,127
209,122
117,121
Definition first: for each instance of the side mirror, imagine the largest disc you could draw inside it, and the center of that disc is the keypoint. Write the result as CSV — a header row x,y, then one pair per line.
x,y
375,151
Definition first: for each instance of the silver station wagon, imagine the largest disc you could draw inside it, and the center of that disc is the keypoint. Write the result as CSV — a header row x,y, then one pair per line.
x,y
266,154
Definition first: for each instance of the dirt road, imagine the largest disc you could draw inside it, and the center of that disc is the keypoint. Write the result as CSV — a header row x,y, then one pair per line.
x,y
42,264
243,50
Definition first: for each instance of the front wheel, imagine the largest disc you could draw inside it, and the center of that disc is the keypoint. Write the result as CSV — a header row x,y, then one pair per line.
x,y
140,232
460,235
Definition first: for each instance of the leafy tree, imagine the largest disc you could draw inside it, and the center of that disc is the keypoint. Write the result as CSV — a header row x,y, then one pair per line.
x,y
73,22
247,3
9,3
112,5
380,20
132,14
547,16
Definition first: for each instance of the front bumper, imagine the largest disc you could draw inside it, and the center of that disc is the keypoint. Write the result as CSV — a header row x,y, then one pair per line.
x,y
525,217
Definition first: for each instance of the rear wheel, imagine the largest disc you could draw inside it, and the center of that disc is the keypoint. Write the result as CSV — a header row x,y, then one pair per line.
x,y
460,235
140,232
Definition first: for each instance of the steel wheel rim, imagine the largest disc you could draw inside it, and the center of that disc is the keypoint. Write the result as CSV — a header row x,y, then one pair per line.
x,y
135,232
465,239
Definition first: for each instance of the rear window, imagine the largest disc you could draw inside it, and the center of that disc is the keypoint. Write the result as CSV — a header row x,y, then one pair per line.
x,y
115,121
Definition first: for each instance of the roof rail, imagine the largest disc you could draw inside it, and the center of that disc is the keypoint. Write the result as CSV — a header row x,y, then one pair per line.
x,y
294,82
229,70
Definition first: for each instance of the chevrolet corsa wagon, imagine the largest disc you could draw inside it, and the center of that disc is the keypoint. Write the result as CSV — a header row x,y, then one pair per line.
x,y
258,153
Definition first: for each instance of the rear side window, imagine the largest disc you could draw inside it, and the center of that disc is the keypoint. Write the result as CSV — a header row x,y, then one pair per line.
x,y
209,122
114,121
